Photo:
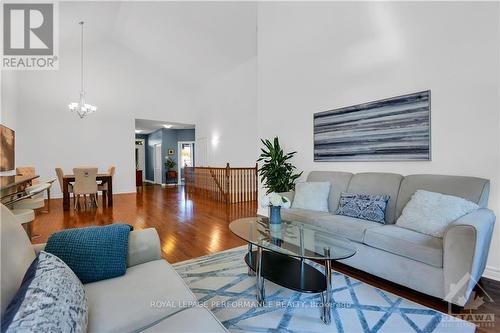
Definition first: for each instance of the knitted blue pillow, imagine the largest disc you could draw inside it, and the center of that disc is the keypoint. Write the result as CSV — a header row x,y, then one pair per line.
x,y
93,253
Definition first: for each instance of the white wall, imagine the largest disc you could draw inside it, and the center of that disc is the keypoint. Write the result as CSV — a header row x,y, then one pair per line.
x,y
319,56
48,135
227,116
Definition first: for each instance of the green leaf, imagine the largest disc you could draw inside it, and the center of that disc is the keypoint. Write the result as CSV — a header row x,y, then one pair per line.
x,y
276,172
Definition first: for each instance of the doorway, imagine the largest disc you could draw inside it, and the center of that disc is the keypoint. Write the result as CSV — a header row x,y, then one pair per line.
x,y
185,158
140,157
158,164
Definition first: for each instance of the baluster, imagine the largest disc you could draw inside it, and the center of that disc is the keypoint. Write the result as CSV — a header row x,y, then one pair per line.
x,y
245,185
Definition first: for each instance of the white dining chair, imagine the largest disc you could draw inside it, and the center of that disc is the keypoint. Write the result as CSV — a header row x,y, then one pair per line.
x,y
85,183
104,187
60,178
23,207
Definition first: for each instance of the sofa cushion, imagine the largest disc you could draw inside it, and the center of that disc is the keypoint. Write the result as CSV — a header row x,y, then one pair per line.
x,y
470,188
195,319
145,294
50,299
338,181
345,226
406,243
378,183
17,254
312,196
301,215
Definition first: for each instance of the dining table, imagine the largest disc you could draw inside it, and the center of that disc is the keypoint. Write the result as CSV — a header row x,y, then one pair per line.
x,y
104,178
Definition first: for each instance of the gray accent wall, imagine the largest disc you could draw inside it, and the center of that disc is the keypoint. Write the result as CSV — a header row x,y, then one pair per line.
x,y
168,139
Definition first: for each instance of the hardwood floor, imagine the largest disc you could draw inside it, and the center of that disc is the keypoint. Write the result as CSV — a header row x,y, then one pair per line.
x,y
193,226
188,227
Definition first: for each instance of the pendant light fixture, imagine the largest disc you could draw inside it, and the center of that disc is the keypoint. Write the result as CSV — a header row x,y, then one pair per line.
x,y
82,108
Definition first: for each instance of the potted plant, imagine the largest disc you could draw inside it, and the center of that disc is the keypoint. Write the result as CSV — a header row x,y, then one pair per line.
x,y
170,163
277,175
170,166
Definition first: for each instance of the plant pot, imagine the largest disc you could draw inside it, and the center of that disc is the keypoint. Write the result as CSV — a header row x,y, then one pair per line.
x,y
274,215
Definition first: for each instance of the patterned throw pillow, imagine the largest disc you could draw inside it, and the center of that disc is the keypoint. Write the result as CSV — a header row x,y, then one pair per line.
x,y
50,299
369,207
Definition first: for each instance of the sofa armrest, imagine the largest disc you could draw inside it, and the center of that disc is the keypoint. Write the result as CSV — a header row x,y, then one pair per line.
x,y
143,246
289,195
39,248
466,243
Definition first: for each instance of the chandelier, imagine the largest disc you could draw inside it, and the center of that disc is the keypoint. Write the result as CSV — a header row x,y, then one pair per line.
x,y
80,107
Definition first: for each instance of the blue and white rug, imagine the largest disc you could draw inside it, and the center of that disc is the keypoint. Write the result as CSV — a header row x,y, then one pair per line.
x,y
220,282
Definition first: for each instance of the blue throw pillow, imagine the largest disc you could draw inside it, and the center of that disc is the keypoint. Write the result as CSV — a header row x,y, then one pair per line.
x,y
369,207
94,253
50,299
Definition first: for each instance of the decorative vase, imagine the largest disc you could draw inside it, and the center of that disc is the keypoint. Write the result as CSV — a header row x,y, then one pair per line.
x,y
274,214
276,234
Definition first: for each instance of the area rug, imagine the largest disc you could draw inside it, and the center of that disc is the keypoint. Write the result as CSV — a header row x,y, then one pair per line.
x,y
220,282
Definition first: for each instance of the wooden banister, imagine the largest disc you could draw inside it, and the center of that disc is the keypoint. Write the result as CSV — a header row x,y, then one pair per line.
x,y
229,185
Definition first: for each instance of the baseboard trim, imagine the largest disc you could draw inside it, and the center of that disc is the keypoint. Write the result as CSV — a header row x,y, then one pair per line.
x,y
492,273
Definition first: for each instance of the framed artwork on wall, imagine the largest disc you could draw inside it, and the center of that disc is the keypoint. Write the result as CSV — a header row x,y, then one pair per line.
x,y
170,152
391,129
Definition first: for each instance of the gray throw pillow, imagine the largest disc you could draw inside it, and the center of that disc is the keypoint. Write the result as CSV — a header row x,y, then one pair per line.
x,y
50,299
312,196
369,207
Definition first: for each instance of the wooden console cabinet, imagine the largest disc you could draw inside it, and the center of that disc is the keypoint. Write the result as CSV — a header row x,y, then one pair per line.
x,y
138,177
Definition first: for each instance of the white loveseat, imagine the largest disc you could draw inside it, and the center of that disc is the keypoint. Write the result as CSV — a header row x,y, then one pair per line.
x,y
150,297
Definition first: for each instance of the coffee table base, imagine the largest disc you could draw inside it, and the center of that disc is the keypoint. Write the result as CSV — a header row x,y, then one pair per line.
x,y
290,273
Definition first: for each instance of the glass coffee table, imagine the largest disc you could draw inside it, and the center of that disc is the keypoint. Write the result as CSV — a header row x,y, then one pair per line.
x,y
279,256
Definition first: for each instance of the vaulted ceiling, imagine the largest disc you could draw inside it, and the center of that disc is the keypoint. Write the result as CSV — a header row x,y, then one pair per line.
x,y
190,41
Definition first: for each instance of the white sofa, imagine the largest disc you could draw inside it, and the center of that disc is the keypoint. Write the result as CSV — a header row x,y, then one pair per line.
x,y
447,267
150,297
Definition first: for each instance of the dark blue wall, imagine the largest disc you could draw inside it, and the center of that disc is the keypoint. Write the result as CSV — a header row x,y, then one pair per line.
x,y
168,139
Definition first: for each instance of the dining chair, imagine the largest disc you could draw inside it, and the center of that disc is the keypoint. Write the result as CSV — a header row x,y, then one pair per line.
x,y
23,207
31,171
60,178
85,183
104,186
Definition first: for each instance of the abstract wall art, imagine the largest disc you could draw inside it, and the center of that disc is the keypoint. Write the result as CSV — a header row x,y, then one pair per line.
x,y
396,128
